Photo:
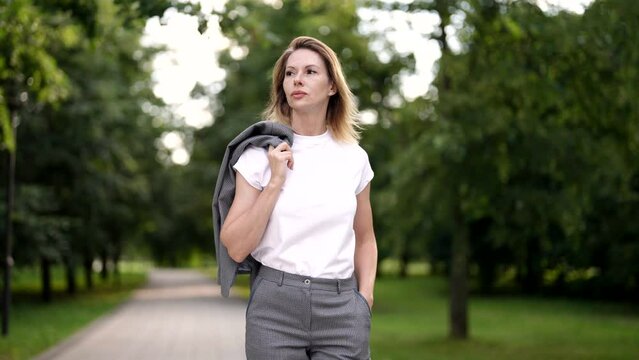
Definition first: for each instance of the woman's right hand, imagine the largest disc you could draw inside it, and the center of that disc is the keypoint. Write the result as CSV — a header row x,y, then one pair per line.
x,y
280,158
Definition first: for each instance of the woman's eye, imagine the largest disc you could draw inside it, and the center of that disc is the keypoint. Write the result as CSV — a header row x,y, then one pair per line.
x,y
288,73
311,72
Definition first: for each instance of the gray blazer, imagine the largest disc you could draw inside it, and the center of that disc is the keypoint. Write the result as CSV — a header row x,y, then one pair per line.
x,y
261,134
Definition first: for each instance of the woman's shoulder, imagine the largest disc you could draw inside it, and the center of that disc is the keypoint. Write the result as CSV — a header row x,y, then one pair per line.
x,y
352,150
254,155
353,147
255,151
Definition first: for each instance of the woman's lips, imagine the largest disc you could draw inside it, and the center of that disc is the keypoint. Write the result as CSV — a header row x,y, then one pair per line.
x,y
298,94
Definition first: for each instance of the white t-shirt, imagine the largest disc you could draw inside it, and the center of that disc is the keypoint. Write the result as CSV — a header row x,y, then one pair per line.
x,y
310,231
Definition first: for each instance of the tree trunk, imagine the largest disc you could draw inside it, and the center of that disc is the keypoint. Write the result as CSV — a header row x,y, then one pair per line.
x,y
69,266
403,263
487,276
45,269
459,243
88,271
533,276
7,260
116,269
459,281
104,272
380,274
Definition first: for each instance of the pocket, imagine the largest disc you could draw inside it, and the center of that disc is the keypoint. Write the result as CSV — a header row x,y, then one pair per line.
x,y
363,299
254,289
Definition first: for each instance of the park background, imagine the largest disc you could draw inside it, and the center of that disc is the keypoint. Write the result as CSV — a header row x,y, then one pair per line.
x,y
506,190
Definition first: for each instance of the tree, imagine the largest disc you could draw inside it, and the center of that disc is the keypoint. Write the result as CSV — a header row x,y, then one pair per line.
x,y
526,155
28,77
442,166
505,161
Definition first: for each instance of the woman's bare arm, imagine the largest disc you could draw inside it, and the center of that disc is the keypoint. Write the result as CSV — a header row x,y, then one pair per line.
x,y
365,246
251,208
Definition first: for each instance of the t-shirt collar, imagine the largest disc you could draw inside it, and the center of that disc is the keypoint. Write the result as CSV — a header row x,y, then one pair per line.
x,y
305,140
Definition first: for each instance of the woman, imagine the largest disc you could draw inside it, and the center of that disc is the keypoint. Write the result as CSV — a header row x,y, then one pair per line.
x,y
303,211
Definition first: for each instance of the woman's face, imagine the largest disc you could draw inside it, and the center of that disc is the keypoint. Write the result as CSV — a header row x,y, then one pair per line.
x,y
306,82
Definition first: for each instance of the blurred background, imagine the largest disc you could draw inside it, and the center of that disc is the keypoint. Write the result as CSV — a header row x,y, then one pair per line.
x,y
504,136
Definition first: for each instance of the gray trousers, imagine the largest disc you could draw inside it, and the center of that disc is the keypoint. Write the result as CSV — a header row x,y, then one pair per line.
x,y
291,317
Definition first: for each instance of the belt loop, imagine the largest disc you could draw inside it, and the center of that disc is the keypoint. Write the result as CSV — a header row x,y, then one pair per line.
x,y
281,278
339,288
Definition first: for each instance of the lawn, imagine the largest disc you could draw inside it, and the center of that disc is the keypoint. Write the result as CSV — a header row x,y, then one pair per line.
x,y
410,322
35,326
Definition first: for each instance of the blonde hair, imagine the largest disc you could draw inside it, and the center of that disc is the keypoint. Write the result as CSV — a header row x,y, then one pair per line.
x,y
341,114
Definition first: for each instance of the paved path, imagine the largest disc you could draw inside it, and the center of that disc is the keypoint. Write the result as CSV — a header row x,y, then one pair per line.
x,y
179,315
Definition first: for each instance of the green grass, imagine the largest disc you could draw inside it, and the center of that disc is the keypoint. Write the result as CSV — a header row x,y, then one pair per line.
x,y
35,326
410,321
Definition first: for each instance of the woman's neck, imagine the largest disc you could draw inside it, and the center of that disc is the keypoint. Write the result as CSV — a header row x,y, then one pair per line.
x,y
308,124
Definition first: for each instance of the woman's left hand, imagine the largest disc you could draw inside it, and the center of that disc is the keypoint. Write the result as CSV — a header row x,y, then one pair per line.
x,y
369,298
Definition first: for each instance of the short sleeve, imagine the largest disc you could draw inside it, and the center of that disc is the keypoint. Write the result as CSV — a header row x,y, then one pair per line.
x,y
366,173
253,166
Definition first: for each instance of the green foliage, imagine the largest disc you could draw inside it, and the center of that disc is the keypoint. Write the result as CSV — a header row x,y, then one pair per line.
x,y
43,233
532,145
8,138
402,219
29,74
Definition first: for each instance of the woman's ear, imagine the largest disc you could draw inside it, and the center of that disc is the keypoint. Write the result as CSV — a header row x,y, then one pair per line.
x,y
333,90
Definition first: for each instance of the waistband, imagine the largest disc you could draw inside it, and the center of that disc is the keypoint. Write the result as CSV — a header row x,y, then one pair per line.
x,y
284,278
